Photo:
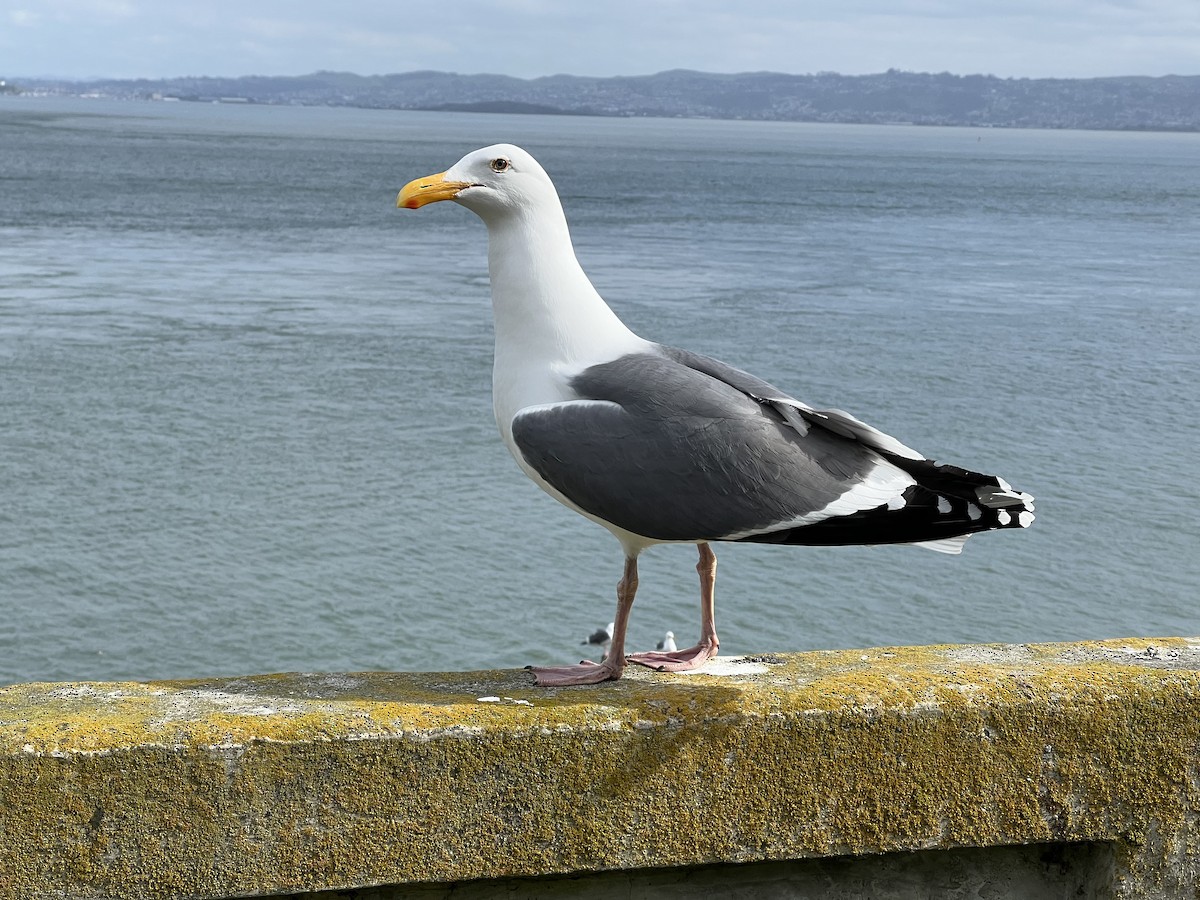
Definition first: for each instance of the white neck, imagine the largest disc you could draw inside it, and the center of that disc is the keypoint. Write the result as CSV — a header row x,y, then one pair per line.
x,y
546,310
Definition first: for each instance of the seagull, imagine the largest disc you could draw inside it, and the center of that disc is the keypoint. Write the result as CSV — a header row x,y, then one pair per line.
x,y
662,445
667,643
602,638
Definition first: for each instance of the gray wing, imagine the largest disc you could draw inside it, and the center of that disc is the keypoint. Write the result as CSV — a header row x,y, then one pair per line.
x,y
677,447
796,413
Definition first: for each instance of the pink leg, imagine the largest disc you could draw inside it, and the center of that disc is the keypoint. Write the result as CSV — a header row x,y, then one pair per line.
x,y
693,657
588,672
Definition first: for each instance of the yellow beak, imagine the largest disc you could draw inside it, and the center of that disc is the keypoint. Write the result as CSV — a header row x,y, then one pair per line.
x,y
429,189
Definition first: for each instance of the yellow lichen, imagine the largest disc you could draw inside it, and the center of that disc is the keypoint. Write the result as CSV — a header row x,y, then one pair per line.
x,y
290,782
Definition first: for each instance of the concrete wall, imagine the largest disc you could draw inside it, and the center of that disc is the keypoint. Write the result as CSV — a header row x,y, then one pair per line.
x,y
1029,872
1065,770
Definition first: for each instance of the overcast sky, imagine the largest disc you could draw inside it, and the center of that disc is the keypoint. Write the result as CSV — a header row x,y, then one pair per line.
x,y
528,38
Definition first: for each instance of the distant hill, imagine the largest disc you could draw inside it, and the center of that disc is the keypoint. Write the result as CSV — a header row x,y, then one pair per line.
x,y
1170,103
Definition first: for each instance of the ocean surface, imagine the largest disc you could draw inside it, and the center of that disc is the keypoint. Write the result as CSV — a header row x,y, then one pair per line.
x,y
245,415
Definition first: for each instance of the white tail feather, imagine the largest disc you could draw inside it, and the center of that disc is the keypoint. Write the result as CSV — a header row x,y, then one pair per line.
x,y
952,545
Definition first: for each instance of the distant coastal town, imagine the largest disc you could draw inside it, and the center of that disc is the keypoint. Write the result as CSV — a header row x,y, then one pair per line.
x,y
1167,103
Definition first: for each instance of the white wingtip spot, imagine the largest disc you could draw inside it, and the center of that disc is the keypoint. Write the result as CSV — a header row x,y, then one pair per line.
x,y
1000,498
1025,518
1003,517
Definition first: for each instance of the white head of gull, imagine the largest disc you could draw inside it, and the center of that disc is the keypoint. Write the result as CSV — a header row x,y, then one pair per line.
x,y
661,445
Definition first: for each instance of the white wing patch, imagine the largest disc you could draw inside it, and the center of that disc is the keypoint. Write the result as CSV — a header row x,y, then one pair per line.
x,y
884,485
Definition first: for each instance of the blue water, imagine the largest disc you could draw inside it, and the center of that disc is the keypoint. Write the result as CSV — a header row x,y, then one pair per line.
x,y
245,416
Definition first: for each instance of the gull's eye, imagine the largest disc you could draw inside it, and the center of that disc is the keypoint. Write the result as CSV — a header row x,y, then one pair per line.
x,y
500,165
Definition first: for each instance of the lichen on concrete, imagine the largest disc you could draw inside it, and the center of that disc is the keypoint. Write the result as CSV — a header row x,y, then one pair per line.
x,y
304,782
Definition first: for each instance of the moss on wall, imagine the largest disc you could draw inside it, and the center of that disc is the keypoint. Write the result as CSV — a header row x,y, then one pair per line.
x,y
228,787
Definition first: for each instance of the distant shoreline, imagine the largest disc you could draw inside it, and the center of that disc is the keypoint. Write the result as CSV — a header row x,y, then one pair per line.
x,y
1132,103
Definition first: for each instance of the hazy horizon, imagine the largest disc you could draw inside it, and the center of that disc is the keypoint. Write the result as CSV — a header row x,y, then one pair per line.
x,y
13,78
82,40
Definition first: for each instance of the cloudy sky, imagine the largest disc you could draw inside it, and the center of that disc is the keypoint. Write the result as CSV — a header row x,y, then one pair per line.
x,y
528,38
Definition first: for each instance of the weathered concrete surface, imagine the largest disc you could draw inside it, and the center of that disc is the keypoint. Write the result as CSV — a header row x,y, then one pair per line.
x,y
292,783
1024,872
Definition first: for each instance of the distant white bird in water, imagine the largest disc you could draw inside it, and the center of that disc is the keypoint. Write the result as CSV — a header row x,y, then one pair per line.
x,y
667,644
661,445
601,638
